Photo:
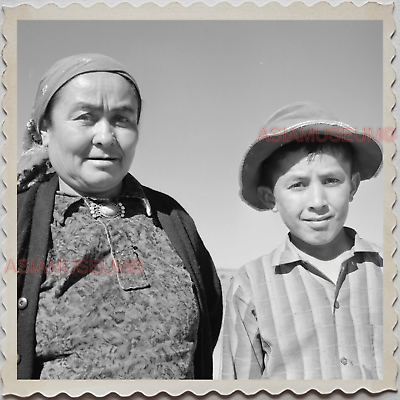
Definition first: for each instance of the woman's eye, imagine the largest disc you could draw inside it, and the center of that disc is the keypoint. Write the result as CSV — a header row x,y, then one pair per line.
x,y
297,185
122,121
85,117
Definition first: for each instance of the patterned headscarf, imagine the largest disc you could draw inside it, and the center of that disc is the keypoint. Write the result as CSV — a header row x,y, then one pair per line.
x,y
34,161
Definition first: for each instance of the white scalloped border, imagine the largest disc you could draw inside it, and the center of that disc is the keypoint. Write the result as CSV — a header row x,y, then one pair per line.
x,y
177,11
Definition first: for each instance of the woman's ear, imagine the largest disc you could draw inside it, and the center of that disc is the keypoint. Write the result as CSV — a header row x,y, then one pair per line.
x,y
44,132
266,195
355,183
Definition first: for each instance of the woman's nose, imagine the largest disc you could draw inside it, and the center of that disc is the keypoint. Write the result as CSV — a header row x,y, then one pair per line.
x,y
104,134
317,197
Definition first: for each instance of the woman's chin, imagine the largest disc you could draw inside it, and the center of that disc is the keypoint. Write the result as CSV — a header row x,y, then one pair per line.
x,y
109,187
102,189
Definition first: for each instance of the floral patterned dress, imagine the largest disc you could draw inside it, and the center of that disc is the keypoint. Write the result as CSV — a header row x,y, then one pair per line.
x,y
117,302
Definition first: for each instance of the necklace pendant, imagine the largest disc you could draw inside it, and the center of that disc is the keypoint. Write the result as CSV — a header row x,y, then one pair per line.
x,y
106,209
109,210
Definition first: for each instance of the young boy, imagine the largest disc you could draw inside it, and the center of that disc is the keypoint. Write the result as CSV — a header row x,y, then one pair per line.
x,y
312,309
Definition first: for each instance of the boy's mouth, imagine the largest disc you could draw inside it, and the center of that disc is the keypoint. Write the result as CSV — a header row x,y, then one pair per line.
x,y
318,223
317,219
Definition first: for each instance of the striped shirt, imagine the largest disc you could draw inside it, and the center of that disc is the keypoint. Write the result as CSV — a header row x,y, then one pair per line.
x,y
285,319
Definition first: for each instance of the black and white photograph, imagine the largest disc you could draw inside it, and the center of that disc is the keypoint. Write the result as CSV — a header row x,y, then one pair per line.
x,y
201,202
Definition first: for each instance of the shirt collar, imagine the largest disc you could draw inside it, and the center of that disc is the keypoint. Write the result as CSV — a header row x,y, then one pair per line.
x,y
131,188
287,253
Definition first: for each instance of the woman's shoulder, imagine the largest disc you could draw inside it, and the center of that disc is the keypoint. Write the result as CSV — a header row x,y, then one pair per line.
x,y
28,195
160,198
165,204
31,186
169,211
157,199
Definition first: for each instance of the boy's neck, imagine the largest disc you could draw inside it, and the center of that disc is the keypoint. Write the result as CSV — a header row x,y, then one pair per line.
x,y
329,251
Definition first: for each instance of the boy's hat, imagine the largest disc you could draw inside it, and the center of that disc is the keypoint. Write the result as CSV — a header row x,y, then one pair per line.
x,y
302,122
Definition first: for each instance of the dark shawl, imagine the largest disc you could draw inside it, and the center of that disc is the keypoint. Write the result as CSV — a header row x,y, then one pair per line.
x,y
35,212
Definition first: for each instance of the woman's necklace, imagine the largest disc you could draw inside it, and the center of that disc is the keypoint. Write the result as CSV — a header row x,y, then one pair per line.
x,y
130,271
105,208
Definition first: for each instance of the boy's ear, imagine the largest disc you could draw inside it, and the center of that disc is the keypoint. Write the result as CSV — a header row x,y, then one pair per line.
x,y
266,195
355,183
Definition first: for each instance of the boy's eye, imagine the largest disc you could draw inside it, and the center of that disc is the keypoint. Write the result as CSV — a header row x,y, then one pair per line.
x,y
331,181
121,118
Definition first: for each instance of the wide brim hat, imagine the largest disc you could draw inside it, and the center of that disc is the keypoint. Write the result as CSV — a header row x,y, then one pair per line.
x,y
304,121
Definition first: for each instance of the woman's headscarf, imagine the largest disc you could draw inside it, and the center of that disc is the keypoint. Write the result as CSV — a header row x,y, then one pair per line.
x,y
34,161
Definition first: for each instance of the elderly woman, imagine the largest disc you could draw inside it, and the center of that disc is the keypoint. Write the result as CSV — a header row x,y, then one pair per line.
x,y
114,281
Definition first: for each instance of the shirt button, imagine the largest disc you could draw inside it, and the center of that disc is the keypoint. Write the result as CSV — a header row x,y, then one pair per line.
x,y
343,360
18,358
22,303
336,305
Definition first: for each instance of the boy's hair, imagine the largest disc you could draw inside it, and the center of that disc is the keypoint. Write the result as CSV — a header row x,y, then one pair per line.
x,y
312,148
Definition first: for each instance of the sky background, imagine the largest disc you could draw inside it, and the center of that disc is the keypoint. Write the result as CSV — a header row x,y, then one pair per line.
x,y
208,87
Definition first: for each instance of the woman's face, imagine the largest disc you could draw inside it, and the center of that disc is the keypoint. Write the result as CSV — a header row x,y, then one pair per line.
x,y
92,133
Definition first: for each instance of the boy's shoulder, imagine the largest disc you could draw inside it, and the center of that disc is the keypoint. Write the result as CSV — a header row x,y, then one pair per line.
x,y
361,244
264,266
374,247
283,258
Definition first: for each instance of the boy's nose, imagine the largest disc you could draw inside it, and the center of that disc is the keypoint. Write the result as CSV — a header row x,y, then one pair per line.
x,y
317,198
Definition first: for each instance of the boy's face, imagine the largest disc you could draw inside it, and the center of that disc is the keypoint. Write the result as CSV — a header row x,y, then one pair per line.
x,y
312,195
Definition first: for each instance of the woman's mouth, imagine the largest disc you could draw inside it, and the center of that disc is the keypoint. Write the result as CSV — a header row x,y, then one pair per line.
x,y
103,160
